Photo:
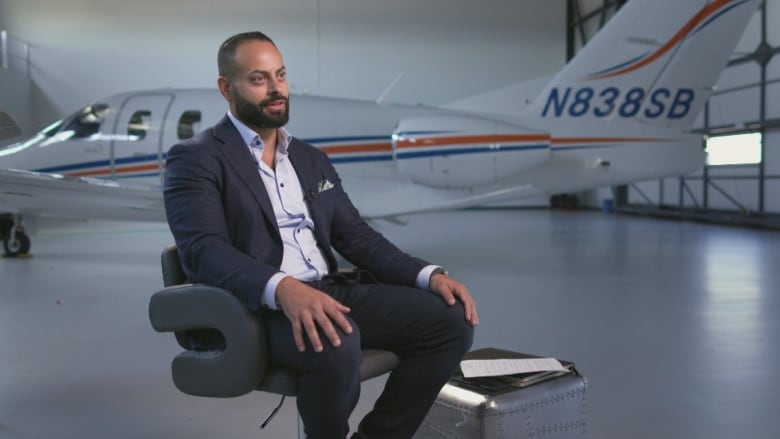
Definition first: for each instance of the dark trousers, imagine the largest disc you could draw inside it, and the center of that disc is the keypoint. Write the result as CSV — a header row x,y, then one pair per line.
x,y
429,337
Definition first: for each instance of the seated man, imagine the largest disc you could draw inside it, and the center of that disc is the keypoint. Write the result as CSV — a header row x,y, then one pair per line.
x,y
256,211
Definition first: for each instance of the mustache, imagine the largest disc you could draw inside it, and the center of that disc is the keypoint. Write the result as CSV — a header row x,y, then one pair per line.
x,y
272,98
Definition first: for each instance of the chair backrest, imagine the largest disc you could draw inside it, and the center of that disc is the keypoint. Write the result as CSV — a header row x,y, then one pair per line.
x,y
204,339
171,266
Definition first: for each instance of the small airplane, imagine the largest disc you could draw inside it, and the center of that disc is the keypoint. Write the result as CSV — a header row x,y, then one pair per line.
x,y
619,112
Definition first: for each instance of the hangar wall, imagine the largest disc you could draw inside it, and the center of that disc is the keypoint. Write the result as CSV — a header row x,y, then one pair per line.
x,y
81,50
15,96
20,96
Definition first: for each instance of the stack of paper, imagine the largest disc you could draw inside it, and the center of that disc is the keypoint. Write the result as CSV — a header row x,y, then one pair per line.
x,y
504,366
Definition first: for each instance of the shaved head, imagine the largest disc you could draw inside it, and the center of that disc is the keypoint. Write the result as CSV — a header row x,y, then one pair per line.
x,y
227,51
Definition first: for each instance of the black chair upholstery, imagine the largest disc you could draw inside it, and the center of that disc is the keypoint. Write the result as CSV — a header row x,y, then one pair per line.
x,y
225,345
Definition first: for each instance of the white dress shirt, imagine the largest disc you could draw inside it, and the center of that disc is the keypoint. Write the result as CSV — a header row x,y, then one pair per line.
x,y
302,258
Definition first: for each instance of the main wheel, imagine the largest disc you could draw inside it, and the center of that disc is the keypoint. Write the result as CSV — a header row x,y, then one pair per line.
x,y
17,244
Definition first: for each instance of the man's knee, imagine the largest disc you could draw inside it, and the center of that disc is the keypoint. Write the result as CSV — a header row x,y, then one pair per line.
x,y
340,362
460,329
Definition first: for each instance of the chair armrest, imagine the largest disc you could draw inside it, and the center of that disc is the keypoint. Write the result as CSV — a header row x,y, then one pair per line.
x,y
234,371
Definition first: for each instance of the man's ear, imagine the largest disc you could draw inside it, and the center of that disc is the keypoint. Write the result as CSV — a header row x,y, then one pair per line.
x,y
224,88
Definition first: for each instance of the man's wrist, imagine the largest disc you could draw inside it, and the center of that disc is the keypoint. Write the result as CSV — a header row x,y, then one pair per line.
x,y
436,271
423,280
439,270
269,299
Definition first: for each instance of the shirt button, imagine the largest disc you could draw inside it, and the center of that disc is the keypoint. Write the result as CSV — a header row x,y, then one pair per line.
x,y
281,184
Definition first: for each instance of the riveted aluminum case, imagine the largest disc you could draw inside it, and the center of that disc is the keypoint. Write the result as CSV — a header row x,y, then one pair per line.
x,y
554,409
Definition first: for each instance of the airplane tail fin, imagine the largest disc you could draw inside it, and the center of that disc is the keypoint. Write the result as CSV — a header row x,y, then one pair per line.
x,y
655,62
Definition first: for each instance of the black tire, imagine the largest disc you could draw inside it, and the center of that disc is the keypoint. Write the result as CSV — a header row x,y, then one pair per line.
x,y
16,245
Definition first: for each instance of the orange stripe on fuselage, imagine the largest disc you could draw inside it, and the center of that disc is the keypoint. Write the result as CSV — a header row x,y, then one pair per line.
x,y
122,170
466,140
362,147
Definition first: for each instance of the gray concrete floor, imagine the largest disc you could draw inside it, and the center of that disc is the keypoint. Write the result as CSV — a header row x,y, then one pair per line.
x,y
675,325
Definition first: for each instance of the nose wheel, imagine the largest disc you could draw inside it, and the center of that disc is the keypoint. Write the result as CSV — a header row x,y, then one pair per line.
x,y
15,242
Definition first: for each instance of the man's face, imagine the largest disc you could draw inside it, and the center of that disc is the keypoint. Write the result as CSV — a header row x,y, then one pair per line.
x,y
258,92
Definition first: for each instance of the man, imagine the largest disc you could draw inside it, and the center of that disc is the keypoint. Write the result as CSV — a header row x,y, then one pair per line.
x,y
256,211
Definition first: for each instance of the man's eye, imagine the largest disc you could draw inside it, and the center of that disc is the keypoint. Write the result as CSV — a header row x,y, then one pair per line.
x,y
282,75
257,79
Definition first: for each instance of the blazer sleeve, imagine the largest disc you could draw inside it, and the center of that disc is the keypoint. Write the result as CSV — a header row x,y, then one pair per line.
x,y
195,180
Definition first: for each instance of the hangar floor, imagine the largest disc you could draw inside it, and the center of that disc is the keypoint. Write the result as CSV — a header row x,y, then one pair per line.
x,y
675,325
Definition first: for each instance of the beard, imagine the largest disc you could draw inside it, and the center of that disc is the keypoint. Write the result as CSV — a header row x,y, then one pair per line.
x,y
256,116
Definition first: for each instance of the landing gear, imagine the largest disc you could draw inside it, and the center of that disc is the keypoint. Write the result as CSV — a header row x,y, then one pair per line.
x,y
15,241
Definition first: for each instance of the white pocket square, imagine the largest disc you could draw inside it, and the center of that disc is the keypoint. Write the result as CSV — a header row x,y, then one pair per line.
x,y
324,185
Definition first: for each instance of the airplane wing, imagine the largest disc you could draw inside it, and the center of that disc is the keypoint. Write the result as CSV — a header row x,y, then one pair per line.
x,y
55,195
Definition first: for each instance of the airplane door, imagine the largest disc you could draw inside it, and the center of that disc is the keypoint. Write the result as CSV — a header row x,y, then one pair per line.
x,y
136,148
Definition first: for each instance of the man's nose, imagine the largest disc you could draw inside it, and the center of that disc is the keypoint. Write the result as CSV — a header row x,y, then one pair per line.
x,y
273,85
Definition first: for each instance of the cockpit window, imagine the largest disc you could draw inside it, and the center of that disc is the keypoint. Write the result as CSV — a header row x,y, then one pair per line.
x,y
139,124
86,122
52,129
189,124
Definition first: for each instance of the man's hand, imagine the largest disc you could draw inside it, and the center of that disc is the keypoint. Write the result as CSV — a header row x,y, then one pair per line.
x,y
450,290
308,308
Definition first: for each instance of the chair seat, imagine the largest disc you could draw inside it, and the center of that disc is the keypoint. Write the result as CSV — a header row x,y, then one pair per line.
x,y
377,362
284,381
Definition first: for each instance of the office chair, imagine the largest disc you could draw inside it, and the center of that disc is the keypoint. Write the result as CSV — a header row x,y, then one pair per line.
x,y
225,346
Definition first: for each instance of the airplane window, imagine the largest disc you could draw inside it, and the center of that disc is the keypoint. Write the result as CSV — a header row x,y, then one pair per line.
x,y
52,129
139,124
189,124
86,122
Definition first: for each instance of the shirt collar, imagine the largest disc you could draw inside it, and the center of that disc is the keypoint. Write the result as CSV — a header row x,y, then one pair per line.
x,y
250,137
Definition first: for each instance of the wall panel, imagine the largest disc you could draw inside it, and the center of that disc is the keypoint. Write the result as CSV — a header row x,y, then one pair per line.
x,y
448,49
772,152
734,108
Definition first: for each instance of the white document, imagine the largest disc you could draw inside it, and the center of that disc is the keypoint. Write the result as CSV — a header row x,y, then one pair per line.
x,y
498,367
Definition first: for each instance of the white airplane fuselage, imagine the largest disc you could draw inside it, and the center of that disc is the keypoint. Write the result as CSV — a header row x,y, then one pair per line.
x,y
393,159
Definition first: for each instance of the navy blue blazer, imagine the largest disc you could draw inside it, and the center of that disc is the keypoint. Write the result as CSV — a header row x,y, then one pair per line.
x,y
224,225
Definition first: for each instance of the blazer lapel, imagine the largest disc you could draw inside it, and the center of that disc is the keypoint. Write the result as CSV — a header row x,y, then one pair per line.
x,y
310,176
304,168
237,155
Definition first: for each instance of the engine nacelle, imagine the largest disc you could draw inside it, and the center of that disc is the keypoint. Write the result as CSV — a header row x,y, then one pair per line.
x,y
457,151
